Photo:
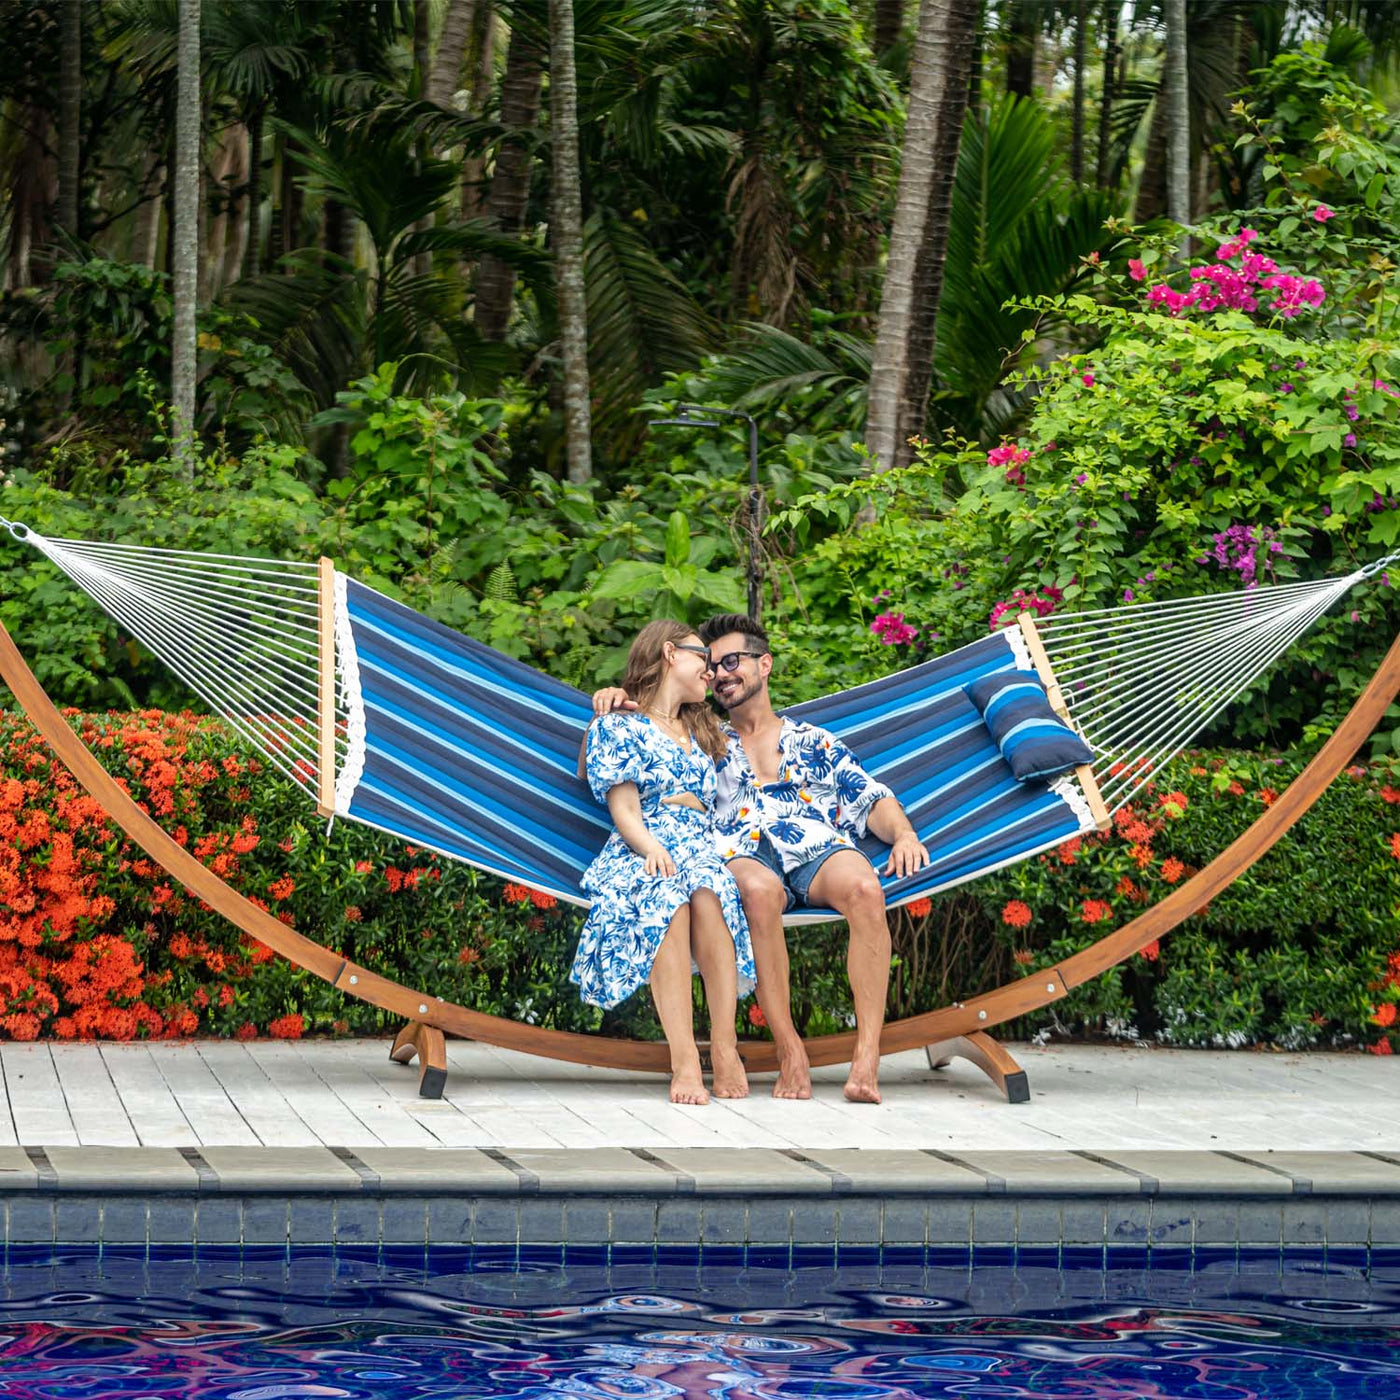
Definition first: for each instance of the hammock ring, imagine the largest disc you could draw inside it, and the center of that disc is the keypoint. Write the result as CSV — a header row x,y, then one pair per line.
x,y
20,532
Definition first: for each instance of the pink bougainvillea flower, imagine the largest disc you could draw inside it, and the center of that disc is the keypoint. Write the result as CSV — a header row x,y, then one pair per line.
x,y
1088,378
1322,213
1136,270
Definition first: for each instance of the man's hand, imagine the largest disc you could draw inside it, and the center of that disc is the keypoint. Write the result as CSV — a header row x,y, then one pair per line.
x,y
611,698
907,855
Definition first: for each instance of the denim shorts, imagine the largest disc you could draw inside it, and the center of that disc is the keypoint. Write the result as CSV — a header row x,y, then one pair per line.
x,y
797,883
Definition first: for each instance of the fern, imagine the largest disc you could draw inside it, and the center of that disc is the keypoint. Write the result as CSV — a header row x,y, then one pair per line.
x,y
500,584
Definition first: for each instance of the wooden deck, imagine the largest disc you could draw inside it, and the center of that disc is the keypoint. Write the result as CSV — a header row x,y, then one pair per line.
x,y
348,1094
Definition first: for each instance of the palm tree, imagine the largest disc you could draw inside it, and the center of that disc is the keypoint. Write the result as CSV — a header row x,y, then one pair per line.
x,y
903,354
70,99
456,36
566,234
185,235
1178,117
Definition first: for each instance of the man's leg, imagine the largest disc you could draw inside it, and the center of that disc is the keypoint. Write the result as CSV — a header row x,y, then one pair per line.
x,y
847,883
764,901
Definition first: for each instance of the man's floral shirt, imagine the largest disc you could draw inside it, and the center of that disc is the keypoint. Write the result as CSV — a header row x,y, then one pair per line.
x,y
822,797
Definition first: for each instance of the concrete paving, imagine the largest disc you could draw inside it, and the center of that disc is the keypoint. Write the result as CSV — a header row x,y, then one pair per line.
x,y
347,1094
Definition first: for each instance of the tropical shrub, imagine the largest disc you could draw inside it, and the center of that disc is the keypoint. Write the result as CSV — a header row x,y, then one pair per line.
x,y
96,941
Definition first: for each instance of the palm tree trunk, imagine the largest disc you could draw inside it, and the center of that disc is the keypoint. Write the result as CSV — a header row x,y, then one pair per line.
x,y
566,233
1151,202
510,184
70,97
1178,118
1020,50
1076,150
252,248
186,236
903,354
889,24
446,74
1110,89
145,224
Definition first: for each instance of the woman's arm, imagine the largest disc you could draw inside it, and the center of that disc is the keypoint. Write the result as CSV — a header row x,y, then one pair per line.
x,y
625,805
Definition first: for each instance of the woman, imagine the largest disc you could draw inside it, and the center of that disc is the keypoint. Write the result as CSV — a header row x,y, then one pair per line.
x,y
662,898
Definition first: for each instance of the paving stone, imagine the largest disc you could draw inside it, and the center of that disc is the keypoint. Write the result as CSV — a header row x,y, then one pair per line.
x,y
744,1171
17,1172
887,1172
1335,1173
591,1170
121,1169
426,1169
1195,1173
1052,1173
280,1169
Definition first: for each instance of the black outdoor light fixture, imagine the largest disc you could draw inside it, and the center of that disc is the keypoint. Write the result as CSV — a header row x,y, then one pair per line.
x,y
699,415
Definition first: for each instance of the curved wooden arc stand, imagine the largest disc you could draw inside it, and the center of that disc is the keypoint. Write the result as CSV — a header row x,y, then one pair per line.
x,y
957,1029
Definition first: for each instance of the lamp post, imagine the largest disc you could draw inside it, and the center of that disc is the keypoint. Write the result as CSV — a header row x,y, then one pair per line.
x,y
697,415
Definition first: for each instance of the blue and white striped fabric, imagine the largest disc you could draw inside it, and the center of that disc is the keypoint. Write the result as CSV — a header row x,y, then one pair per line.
x,y
461,749
1032,738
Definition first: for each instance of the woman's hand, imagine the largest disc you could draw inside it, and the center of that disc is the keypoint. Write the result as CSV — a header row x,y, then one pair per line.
x,y
658,860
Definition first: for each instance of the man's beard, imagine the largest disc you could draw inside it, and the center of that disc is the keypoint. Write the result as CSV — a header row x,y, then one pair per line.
x,y
736,697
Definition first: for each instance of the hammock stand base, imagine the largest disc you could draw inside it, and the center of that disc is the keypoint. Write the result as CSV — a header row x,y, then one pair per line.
x,y
428,1045
959,1023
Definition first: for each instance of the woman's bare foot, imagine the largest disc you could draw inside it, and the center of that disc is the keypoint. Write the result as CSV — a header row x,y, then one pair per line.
x,y
730,1081
687,1085
794,1074
862,1084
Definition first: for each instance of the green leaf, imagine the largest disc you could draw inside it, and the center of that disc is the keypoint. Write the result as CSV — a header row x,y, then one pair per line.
x,y
626,578
677,540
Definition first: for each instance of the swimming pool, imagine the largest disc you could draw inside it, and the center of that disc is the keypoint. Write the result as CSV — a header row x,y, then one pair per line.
x,y
254,1324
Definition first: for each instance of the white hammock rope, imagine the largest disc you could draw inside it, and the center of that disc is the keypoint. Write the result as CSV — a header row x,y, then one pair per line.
x,y
241,633
1140,681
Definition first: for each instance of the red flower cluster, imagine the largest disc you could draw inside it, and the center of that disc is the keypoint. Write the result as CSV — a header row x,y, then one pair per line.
x,y
523,894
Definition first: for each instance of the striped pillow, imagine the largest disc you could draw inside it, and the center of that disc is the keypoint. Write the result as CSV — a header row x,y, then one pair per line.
x,y
1032,738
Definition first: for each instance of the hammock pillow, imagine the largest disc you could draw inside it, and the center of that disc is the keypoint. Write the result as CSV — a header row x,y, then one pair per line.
x,y
1032,738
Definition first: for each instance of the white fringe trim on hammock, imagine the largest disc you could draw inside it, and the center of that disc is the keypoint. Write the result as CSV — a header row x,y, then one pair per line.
x,y
347,661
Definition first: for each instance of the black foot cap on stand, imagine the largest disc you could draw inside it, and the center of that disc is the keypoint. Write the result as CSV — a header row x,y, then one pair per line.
x,y
991,1058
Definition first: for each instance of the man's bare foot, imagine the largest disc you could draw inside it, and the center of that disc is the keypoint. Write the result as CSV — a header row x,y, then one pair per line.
x,y
794,1074
730,1081
862,1084
686,1084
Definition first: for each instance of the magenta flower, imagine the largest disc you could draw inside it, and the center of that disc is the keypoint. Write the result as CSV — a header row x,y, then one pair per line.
x,y
1350,440
892,629
1322,213
1088,378
1136,270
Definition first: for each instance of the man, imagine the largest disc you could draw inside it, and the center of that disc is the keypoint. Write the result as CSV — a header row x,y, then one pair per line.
x,y
791,800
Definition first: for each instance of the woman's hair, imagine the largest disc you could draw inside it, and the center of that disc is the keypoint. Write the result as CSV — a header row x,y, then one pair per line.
x,y
646,664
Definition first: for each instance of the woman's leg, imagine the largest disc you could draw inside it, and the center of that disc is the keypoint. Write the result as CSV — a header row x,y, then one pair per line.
x,y
670,990
712,946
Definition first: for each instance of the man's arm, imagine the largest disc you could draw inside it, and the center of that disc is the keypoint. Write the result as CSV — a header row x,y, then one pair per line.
x,y
611,698
887,821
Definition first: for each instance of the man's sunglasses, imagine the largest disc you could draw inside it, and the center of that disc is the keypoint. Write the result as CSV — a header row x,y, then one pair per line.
x,y
730,660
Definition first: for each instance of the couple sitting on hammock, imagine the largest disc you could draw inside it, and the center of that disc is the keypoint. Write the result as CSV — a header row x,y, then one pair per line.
x,y
718,830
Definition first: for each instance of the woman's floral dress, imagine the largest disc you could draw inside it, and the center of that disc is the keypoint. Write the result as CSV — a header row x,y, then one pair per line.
x,y
631,909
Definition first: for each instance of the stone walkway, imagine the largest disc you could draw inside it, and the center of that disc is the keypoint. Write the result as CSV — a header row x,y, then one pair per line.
x,y
347,1094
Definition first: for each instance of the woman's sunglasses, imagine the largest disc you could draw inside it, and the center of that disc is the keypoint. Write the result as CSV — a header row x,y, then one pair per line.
x,y
728,662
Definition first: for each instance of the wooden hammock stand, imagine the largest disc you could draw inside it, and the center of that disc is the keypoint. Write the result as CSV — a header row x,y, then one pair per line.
x,y
956,1030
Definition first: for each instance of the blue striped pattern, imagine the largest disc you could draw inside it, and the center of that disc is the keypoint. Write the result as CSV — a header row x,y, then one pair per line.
x,y
475,754
1031,736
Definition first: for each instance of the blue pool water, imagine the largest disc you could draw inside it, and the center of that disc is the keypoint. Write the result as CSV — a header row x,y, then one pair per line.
x,y
78,1325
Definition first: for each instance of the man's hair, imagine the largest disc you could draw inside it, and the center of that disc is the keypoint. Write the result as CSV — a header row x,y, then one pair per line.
x,y
755,638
